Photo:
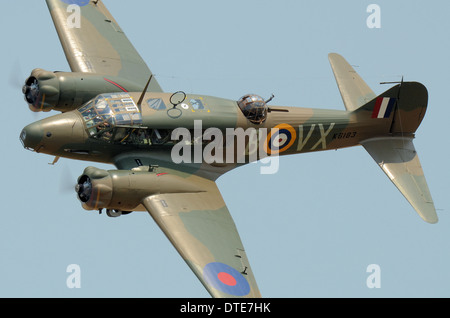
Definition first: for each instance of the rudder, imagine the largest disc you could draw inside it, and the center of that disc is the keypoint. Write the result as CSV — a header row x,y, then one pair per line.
x,y
404,105
411,107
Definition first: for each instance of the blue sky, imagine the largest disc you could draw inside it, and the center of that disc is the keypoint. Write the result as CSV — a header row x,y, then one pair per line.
x,y
309,230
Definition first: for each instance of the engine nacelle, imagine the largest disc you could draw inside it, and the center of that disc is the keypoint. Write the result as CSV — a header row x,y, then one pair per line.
x,y
124,190
62,91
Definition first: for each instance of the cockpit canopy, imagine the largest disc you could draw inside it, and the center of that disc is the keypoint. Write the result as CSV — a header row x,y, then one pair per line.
x,y
253,107
115,118
110,110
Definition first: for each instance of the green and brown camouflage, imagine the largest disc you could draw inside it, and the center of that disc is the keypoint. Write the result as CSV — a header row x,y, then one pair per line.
x,y
100,56
116,119
312,129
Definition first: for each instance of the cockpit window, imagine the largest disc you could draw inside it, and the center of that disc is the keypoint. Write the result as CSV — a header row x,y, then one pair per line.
x,y
107,111
115,118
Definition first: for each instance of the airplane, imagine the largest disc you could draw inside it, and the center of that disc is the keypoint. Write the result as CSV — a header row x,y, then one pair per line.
x,y
113,111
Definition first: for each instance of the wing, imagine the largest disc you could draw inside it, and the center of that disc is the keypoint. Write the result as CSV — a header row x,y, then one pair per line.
x,y
94,42
202,230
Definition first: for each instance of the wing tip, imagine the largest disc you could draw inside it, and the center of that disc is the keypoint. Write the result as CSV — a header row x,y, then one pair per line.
x,y
430,216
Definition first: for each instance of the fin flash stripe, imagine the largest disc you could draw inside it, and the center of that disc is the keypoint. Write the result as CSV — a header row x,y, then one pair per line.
x,y
383,107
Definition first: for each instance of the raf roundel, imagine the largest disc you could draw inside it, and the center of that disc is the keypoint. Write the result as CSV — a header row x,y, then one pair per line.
x,y
226,279
280,139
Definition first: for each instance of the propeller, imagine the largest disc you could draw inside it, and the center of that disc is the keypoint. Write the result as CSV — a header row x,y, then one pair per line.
x,y
67,182
84,188
16,76
31,90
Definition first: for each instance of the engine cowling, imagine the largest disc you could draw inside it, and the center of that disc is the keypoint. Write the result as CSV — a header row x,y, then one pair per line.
x,y
124,190
65,91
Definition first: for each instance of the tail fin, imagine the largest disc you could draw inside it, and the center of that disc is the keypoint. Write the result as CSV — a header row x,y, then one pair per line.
x,y
403,106
400,110
357,95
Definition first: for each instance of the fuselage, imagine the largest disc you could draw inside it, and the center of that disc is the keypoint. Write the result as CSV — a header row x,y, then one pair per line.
x,y
200,130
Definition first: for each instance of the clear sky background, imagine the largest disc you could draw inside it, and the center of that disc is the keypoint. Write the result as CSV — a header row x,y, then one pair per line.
x,y
310,230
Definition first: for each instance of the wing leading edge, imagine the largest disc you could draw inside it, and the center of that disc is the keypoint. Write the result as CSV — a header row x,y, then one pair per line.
x,y
97,44
202,230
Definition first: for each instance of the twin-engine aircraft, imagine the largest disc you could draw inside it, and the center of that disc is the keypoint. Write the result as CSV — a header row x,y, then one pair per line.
x,y
114,111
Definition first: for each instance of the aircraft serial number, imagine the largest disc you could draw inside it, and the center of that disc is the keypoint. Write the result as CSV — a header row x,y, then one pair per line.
x,y
351,134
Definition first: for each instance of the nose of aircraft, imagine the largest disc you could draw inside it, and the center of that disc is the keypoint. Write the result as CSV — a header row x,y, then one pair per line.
x,y
50,134
32,135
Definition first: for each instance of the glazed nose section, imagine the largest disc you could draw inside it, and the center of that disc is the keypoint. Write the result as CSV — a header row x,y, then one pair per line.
x,y
31,136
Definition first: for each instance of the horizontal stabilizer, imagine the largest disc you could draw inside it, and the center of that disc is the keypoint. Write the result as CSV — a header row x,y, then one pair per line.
x,y
353,89
398,158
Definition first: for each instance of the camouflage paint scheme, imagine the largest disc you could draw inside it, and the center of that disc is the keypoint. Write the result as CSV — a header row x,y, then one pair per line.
x,y
183,198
